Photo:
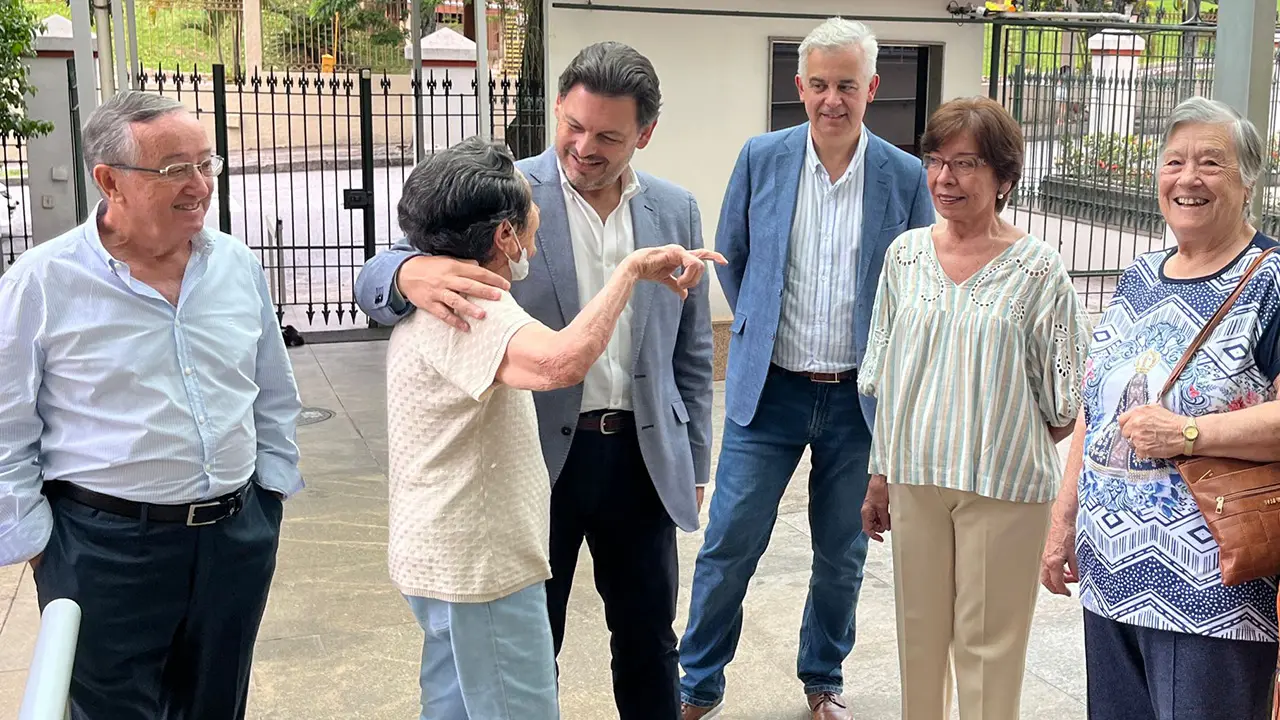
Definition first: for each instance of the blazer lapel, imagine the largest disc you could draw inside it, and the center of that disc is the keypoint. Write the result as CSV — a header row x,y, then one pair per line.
x,y
875,199
788,163
554,242
644,226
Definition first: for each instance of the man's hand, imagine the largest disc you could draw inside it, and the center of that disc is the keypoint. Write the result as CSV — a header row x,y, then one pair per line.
x,y
659,264
1153,431
1058,563
699,493
441,286
875,509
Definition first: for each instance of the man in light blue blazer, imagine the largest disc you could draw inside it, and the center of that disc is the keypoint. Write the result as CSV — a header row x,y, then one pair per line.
x,y
806,220
629,450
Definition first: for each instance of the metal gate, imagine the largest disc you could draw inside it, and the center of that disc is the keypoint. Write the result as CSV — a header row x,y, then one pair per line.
x,y
1091,98
316,162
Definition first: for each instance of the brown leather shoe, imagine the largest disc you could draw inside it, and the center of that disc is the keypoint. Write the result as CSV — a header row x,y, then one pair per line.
x,y
829,706
693,712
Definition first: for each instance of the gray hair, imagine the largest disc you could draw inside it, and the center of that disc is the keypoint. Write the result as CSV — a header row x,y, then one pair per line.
x,y
454,201
1250,149
613,69
840,34
108,133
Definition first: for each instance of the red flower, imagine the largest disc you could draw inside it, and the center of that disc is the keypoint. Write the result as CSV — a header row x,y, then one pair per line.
x,y
1249,399
1193,392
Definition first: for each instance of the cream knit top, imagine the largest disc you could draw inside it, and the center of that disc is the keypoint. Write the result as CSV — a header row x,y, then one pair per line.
x,y
469,491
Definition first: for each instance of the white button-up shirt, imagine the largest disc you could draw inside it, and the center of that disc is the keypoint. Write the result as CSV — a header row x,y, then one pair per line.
x,y
815,329
598,248
105,384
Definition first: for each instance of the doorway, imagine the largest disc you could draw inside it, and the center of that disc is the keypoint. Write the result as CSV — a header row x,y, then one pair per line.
x,y
910,88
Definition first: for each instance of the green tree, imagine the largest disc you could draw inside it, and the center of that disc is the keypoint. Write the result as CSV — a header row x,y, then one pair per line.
x,y
215,26
367,19
18,28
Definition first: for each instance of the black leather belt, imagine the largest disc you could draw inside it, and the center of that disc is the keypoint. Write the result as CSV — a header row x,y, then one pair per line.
x,y
197,514
607,422
824,378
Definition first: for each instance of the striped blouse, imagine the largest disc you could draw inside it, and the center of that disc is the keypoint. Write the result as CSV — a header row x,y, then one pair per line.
x,y
968,375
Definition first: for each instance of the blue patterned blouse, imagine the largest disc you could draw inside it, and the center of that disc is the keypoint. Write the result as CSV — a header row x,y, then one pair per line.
x,y
1146,555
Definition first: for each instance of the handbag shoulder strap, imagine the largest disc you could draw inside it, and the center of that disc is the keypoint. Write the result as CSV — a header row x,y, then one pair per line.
x,y
1212,325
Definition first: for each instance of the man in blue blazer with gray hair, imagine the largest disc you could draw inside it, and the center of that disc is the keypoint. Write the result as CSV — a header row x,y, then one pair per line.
x,y
805,223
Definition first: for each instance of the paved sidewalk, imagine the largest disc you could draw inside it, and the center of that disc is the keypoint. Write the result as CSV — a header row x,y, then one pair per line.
x,y
339,642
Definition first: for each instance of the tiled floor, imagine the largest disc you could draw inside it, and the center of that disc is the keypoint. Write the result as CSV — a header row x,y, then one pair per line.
x,y
339,642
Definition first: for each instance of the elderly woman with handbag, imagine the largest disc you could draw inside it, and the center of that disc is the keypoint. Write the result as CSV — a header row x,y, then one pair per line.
x,y
1169,494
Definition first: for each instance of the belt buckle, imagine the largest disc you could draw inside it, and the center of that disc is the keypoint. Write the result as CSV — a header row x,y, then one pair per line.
x,y
191,514
604,418
825,378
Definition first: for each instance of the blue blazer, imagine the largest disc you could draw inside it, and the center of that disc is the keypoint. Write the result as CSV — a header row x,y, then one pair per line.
x,y
754,234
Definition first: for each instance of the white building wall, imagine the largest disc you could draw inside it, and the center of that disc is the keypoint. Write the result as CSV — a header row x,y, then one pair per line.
x,y
715,75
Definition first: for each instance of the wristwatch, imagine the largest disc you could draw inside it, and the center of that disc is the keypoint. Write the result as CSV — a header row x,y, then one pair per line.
x,y
1190,432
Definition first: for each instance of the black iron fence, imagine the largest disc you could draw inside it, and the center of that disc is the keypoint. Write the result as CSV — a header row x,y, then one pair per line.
x,y
316,163
15,210
1092,99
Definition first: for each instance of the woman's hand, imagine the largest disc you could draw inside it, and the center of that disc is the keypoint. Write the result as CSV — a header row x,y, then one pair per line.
x,y
875,509
659,264
1153,431
1058,563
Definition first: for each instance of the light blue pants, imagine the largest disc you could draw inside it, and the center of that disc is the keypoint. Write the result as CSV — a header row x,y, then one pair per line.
x,y
488,661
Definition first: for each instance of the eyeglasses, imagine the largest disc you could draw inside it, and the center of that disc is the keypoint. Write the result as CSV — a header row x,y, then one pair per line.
x,y
960,166
209,167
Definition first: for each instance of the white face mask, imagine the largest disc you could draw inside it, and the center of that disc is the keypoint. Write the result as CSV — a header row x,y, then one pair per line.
x,y
519,268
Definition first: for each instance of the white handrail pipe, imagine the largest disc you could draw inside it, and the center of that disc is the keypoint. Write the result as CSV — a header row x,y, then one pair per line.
x,y
49,679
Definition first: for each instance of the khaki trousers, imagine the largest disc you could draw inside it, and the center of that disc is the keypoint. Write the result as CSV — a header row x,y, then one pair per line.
x,y
966,571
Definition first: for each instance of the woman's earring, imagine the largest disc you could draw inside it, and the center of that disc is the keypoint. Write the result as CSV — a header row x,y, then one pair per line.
x,y
999,196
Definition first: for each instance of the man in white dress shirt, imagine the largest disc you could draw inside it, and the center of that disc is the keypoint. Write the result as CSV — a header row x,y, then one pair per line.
x,y
805,223
147,426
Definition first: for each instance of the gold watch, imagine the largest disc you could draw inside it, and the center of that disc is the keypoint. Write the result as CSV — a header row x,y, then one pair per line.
x,y
1190,432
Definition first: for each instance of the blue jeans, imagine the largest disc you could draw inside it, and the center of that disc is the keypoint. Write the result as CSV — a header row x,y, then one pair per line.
x,y
756,463
488,661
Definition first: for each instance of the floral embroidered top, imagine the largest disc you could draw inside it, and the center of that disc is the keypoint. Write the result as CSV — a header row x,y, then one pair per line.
x,y
969,376
1146,556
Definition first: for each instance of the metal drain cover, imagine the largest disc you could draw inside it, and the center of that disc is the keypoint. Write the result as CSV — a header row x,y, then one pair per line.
x,y
311,416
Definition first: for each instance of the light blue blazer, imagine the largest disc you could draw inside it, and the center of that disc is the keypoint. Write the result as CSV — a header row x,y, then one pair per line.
x,y
754,234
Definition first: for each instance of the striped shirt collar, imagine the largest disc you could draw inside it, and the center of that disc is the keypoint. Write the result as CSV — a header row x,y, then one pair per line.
x,y
815,164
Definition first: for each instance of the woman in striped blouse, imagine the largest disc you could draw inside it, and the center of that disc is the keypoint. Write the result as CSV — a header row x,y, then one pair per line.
x,y
977,347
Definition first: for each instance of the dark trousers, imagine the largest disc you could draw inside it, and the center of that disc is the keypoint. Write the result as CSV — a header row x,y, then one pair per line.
x,y
605,496
1137,673
169,612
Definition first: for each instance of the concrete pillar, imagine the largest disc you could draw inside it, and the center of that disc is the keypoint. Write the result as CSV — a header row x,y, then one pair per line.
x,y
86,70
253,35
454,118
1114,57
1244,59
51,191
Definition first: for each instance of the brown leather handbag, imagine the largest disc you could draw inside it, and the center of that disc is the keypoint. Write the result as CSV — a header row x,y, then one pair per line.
x,y
1240,499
